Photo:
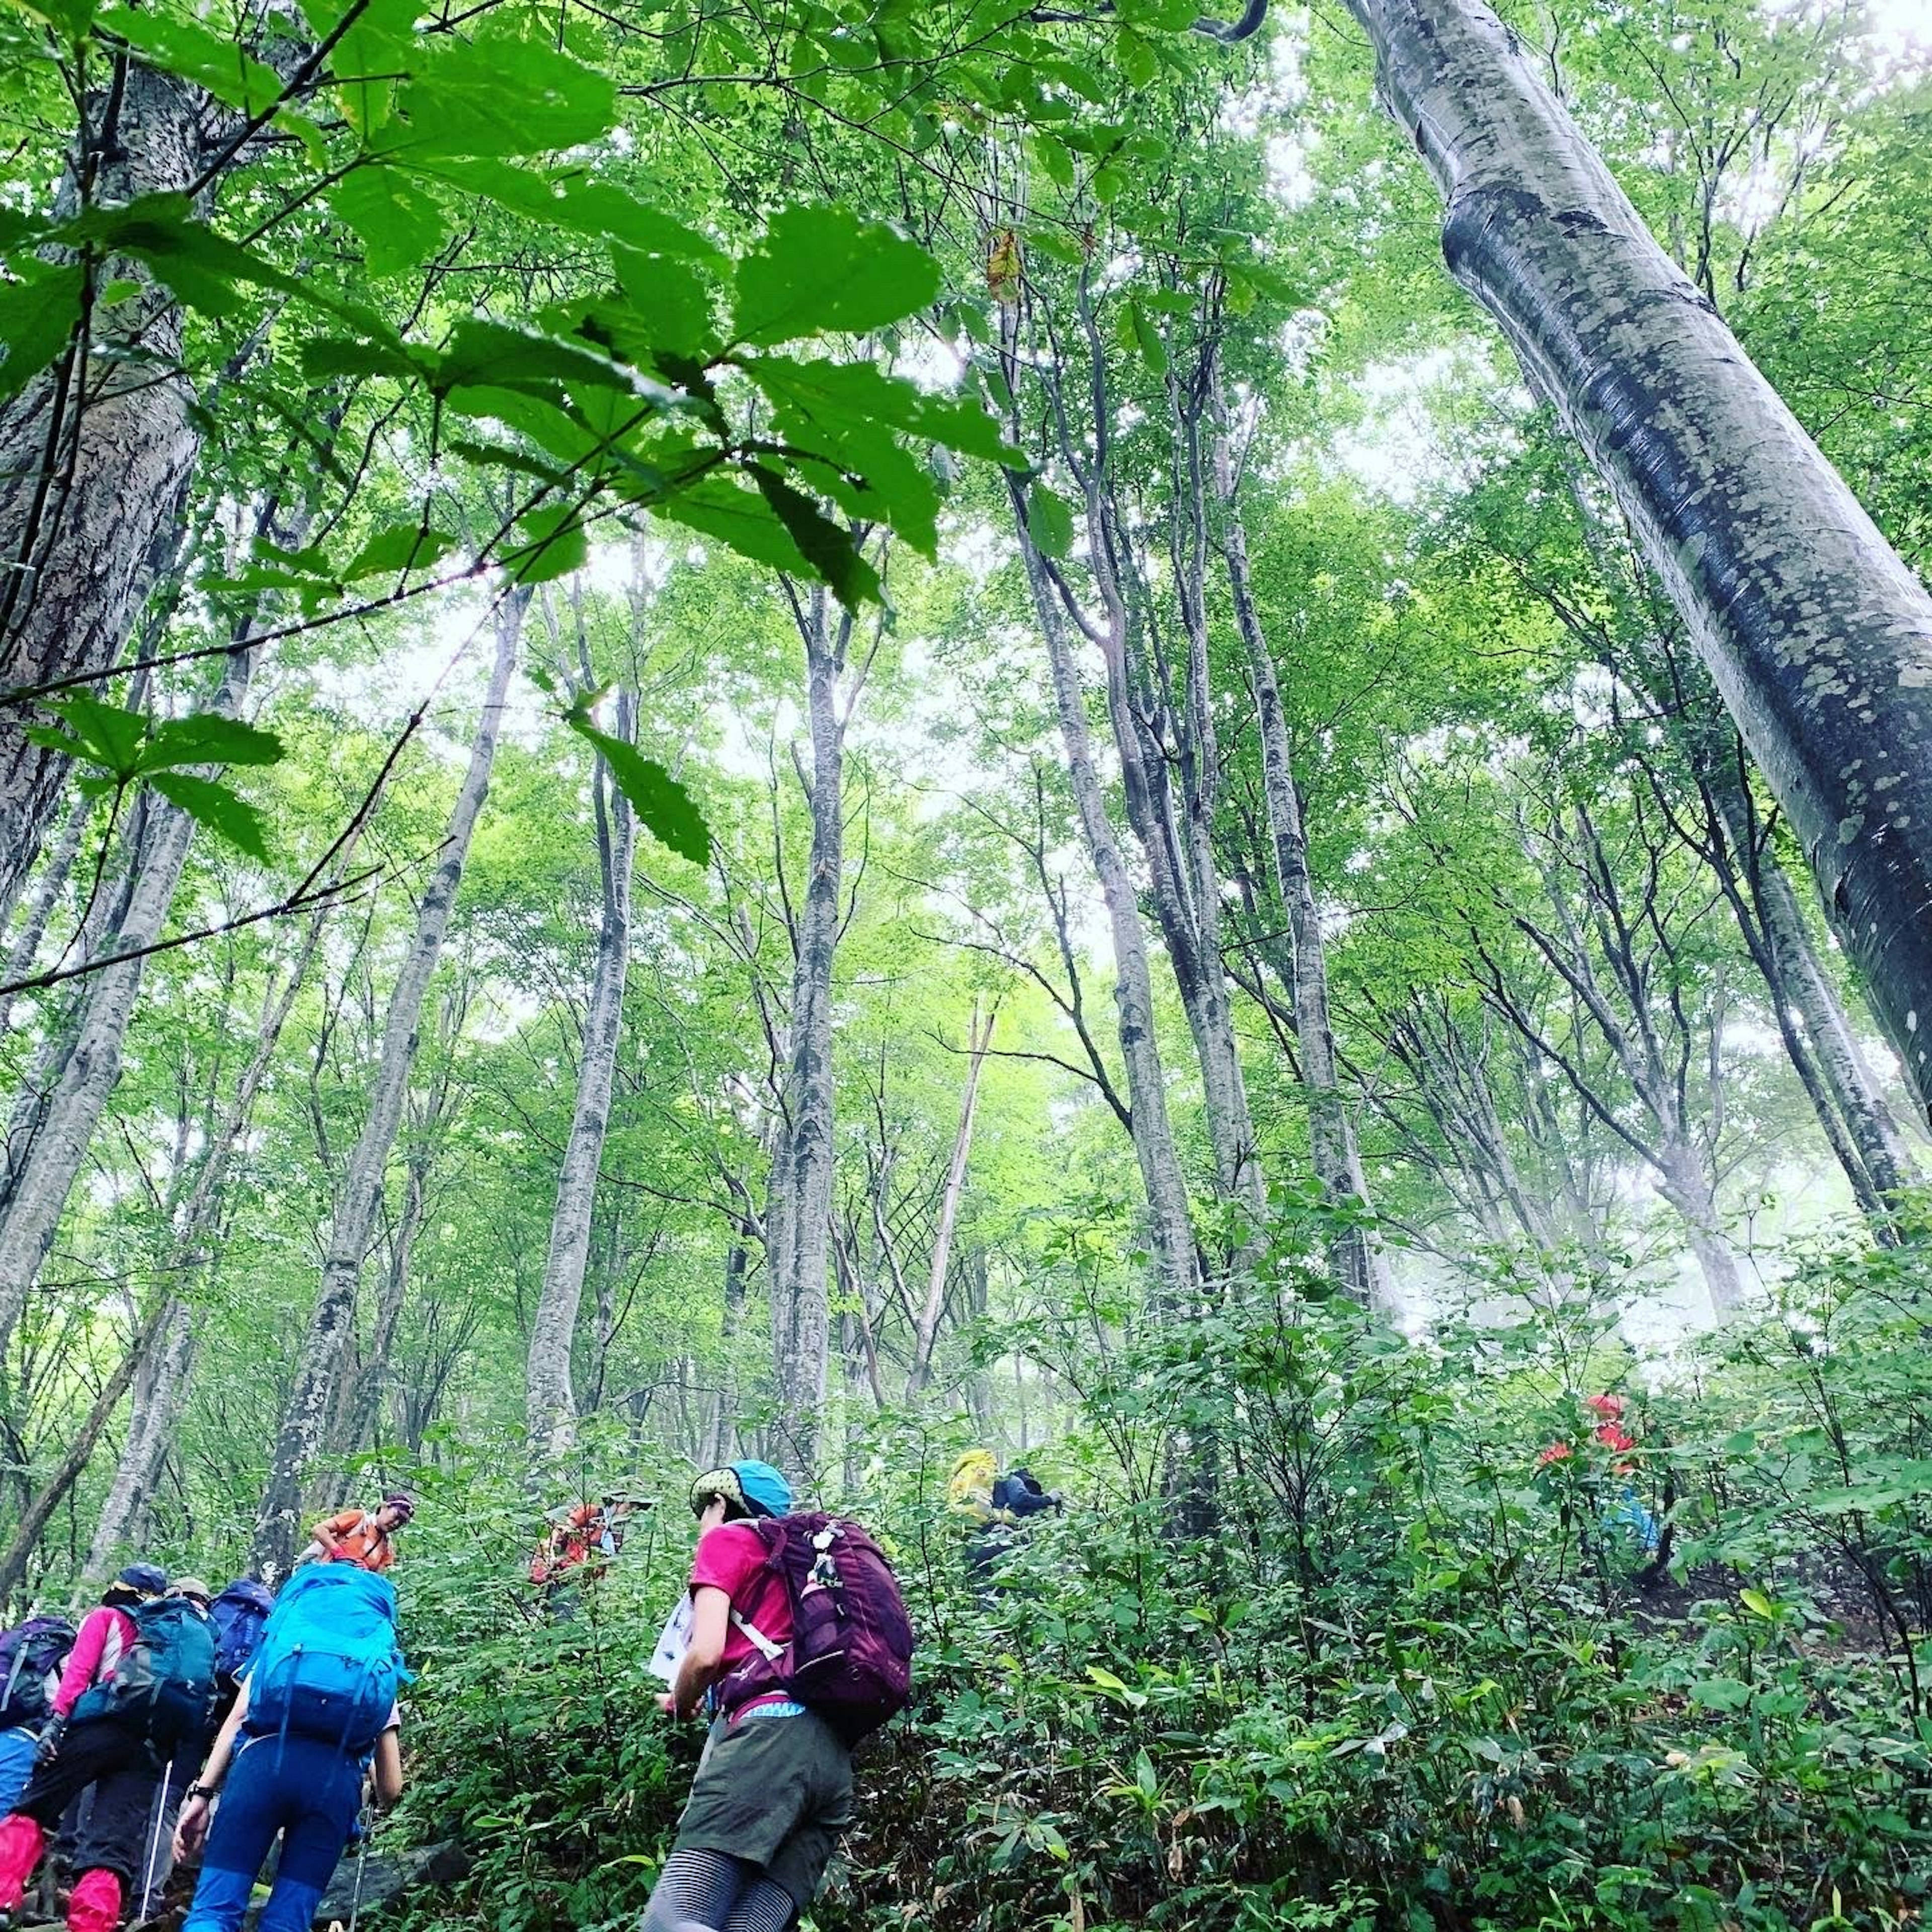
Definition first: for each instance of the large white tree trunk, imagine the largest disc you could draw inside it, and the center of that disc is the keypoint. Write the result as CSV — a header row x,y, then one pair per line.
x,y
92,486
311,1398
43,1175
1817,634
798,1221
550,1399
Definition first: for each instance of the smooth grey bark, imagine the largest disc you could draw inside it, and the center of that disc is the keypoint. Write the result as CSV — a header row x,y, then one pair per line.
x,y
43,1175
1359,1266
798,1220
311,1398
925,1331
1170,1230
1818,636
95,455
550,1399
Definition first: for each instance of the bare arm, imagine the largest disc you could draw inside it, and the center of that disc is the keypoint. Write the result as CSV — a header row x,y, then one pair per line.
x,y
387,1768
191,1827
703,1662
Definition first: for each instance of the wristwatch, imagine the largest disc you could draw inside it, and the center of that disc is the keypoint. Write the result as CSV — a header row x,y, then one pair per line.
x,y
204,1791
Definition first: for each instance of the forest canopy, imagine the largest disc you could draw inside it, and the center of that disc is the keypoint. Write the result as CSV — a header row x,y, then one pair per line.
x,y
1197,745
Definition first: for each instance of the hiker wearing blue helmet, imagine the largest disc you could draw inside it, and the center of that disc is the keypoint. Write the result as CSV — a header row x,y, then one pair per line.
x,y
774,1788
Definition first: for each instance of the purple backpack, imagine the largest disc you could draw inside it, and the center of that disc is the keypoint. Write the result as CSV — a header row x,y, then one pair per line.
x,y
850,1658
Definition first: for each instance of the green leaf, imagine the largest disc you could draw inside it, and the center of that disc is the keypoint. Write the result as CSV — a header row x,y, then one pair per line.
x,y
37,314
664,807
400,226
501,94
574,200
400,547
668,309
558,543
1137,59
380,45
218,808
824,269
206,738
106,735
217,62
1758,1603
1049,522
71,18
854,394
482,353
829,551
1146,339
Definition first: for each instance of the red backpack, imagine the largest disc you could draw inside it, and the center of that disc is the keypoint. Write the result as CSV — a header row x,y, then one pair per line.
x,y
850,1658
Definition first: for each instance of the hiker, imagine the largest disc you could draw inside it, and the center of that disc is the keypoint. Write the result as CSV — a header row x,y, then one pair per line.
x,y
989,1506
31,1657
579,1547
1611,1446
773,1789
240,1615
315,1712
129,1716
365,1536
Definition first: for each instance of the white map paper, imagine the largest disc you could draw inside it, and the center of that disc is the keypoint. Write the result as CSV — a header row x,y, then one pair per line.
x,y
673,1642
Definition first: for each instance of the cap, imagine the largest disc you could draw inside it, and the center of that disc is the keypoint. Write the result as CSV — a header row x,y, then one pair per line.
x,y
191,1586
149,1579
765,1491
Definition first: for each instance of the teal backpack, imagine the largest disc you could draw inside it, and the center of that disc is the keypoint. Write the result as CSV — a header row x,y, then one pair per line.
x,y
327,1666
165,1680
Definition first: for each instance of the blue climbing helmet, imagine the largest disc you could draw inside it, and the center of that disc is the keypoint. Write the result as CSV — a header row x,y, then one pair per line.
x,y
756,1489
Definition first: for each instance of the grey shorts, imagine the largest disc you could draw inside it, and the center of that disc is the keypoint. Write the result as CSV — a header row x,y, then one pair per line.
x,y
775,1791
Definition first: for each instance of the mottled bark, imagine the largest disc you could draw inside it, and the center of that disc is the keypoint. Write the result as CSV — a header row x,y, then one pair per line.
x,y
549,1399
48,885
799,1219
925,1330
160,1396
1818,636
312,1395
43,1175
1359,1268
94,460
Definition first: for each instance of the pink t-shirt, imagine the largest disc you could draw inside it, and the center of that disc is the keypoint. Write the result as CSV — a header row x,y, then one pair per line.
x,y
104,1633
731,1558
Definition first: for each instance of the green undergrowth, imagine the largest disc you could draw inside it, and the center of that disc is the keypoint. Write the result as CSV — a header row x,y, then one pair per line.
x,y
1401,1675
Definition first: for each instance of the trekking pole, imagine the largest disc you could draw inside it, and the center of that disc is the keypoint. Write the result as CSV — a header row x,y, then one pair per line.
x,y
355,1892
154,1838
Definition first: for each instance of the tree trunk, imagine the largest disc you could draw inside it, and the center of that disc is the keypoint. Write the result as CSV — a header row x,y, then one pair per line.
x,y
1356,1259
925,1332
1818,636
801,1185
311,1397
160,1395
721,1436
25,947
43,1175
549,1399
1169,1229
92,484
1686,1186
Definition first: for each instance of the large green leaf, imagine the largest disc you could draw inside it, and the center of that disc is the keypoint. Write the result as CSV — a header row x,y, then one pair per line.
x,y
664,807
858,394
1049,522
501,94
217,62
218,807
829,549
572,199
208,738
37,314
400,226
824,269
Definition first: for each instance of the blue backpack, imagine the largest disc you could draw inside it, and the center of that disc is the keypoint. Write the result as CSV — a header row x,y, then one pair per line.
x,y
165,1679
327,1666
28,1656
240,1615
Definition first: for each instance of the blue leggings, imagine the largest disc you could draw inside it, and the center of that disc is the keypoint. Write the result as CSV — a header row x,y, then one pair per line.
x,y
306,1790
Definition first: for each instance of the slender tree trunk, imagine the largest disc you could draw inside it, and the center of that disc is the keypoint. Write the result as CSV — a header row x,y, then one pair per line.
x,y
801,1188
549,1399
44,1174
160,1396
94,460
1818,637
45,896
925,1332
311,1397
1686,1186
721,1436
1359,1268
1169,1229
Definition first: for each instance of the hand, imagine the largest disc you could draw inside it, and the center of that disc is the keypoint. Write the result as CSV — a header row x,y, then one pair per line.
x,y
191,1828
48,1749
667,1704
